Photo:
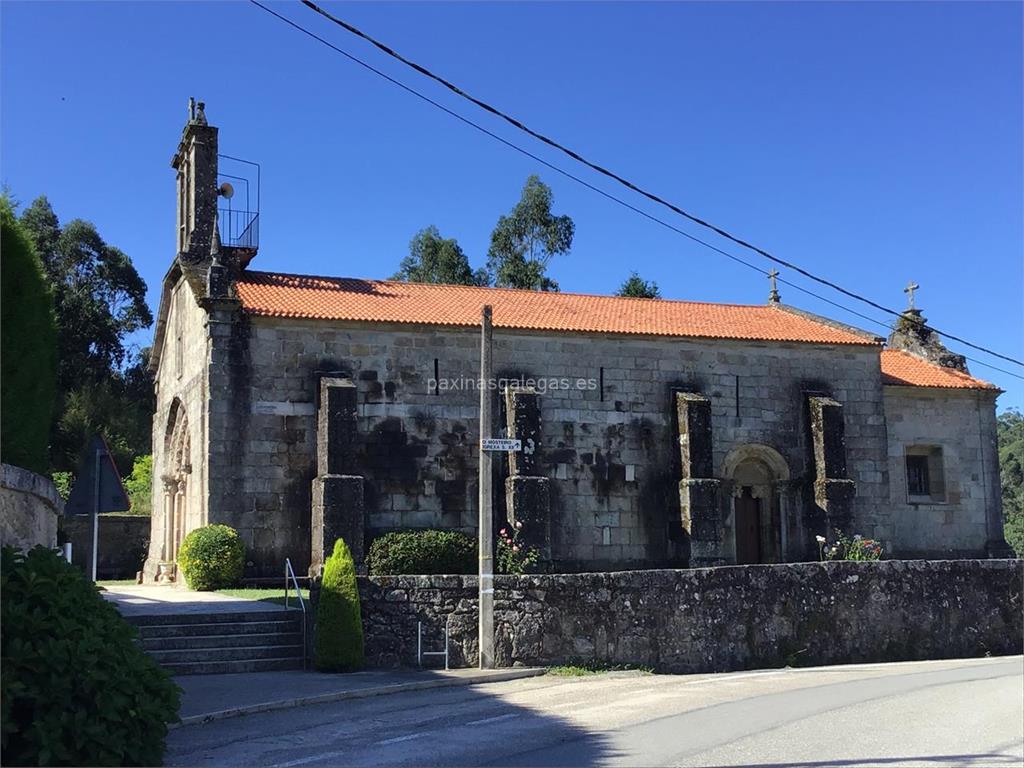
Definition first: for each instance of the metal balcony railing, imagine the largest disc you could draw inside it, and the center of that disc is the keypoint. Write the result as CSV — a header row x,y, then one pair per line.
x,y
239,229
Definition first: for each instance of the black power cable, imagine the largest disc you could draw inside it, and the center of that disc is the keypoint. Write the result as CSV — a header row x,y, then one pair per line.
x,y
599,169
623,181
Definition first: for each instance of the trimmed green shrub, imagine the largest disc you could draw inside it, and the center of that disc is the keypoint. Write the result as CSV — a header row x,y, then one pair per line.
x,y
422,552
75,689
212,557
28,348
338,645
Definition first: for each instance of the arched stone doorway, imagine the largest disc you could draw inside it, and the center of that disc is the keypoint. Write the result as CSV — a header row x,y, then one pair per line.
x,y
175,477
756,528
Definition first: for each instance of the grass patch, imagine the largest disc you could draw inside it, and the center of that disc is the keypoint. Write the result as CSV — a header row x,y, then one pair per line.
x,y
272,595
116,583
584,668
571,671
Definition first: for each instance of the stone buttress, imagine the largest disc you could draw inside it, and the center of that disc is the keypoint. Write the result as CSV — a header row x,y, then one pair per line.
x,y
527,491
338,508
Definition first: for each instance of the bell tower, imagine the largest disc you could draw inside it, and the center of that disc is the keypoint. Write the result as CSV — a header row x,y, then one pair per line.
x,y
196,166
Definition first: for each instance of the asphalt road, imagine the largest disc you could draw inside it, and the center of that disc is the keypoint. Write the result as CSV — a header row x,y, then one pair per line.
x,y
939,713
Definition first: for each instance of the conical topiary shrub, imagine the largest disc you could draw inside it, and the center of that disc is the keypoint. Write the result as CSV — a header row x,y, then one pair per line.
x,y
338,645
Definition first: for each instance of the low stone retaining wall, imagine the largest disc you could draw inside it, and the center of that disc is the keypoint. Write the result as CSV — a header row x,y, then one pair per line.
x,y
124,541
29,507
713,619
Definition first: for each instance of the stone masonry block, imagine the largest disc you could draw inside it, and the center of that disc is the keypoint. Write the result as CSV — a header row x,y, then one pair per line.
x,y
339,512
829,436
522,407
336,427
693,412
528,500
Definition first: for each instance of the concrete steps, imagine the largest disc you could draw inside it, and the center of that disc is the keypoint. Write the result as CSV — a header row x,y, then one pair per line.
x,y
218,643
241,640
152,632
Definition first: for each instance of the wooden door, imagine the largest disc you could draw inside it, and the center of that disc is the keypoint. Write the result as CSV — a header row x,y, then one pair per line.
x,y
748,530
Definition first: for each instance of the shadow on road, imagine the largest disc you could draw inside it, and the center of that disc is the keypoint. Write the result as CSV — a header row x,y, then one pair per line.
x,y
461,726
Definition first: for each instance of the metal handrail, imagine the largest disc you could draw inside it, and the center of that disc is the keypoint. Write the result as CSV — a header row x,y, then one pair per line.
x,y
420,653
289,573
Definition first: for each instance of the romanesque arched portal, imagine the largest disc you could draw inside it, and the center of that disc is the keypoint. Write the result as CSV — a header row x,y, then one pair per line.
x,y
758,513
177,467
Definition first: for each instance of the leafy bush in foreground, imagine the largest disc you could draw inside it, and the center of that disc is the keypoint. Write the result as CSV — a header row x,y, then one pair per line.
x,y
75,689
212,557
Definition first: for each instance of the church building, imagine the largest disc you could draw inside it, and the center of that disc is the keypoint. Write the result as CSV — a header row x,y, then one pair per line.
x,y
654,433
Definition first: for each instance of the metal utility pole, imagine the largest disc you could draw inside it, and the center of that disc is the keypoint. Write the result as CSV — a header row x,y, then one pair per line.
x,y
486,523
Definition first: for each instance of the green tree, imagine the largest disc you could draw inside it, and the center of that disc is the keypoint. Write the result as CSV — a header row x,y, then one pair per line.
x,y
139,485
1010,431
120,408
435,259
338,642
524,241
638,288
28,348
100,300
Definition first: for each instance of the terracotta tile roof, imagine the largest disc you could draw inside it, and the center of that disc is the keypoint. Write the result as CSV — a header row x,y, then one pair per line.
x,y
339,298
903,368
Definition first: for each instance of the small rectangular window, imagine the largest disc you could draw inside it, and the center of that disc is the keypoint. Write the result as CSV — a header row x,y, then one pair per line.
x,y
925,473
917,475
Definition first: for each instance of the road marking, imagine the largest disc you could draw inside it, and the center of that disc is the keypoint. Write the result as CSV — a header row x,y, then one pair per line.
x,y
312,759
494,719
397,739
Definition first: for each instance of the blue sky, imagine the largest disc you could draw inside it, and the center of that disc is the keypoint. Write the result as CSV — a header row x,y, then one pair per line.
x,y
871,143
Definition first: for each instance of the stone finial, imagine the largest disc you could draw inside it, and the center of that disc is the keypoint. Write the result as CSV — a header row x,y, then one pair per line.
x,y
910,333
773,292
201,113
909,290
191,109
218,276
215,243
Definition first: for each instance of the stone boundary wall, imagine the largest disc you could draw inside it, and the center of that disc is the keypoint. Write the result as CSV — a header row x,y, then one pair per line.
x,y
29,507
713,619
124,540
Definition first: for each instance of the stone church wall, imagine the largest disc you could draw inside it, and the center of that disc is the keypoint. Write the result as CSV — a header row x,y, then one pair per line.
x,y
181,389
710,619
962,424
608,438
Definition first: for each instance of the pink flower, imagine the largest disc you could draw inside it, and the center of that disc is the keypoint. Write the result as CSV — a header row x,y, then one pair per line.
x,y
519,525
503,532
515,549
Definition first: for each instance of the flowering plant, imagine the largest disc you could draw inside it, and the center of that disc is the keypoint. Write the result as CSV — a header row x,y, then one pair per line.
x,y
512,555
856,548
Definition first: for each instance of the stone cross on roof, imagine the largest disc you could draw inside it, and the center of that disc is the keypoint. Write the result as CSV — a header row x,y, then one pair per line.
x,y
909,290
773,294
